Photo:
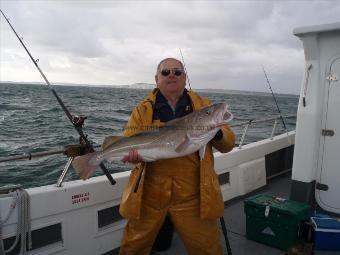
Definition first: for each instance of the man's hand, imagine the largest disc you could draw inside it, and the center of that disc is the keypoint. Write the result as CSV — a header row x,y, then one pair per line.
x,y
133,157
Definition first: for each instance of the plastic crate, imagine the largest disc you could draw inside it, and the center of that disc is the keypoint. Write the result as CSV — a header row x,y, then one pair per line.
x,y
326,233
274,221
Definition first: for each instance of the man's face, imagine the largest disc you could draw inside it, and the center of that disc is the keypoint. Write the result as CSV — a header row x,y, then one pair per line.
x,y
170,77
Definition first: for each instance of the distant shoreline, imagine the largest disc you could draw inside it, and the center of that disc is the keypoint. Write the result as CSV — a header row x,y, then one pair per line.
x,y
148,86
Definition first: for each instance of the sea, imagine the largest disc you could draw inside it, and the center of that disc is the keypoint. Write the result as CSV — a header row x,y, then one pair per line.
x,y
32,121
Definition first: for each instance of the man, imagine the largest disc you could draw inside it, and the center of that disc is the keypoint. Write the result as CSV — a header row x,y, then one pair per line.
x,y
186,188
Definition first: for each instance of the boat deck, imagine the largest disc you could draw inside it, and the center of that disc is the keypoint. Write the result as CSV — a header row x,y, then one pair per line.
x,y
235,222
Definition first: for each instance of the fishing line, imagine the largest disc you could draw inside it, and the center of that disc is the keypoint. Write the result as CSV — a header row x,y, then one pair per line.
x,y
75,120
222,221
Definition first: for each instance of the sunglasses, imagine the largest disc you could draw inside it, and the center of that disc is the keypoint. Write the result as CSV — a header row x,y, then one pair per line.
x,y
176,72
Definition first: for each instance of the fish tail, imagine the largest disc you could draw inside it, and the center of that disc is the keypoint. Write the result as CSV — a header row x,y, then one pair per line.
x,y
85,166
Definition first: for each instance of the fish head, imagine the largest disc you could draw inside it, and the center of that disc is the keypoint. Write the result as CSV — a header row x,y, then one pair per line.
x,y
209,119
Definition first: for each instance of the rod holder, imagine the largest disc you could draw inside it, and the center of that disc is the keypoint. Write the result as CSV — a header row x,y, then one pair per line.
x,y
63,174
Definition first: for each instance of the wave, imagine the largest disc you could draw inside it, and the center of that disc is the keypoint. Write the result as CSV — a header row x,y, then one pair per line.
x,y
128,112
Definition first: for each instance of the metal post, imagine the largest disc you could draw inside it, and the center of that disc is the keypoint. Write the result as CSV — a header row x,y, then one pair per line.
x,y
63,174
244,134
273,130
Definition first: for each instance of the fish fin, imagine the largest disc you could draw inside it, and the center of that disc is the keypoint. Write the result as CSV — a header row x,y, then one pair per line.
x,y
110,140
83,165
202,152
183,145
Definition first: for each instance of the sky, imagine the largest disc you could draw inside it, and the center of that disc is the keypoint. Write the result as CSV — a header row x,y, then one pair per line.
x,y
224,43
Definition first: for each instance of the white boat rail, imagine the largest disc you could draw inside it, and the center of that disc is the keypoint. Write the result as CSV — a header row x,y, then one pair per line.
x,y
246,125
250,122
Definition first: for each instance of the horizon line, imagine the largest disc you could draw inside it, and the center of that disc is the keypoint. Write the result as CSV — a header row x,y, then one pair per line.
x,y
137,83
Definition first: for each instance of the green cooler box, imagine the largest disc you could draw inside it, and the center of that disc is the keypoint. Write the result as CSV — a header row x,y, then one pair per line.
x,y
274,221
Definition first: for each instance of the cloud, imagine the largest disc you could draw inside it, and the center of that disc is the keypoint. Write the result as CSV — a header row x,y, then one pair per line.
x,y
224,43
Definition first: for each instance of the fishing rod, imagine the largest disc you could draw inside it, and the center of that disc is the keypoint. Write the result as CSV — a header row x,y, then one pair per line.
x,y
71,150
29,156
185,69
277,105
77,121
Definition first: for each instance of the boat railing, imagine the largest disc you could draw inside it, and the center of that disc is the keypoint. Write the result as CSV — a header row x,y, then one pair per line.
x,y
246,124
250,122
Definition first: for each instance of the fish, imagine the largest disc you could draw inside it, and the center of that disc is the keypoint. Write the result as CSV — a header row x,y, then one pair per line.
x,y
176,138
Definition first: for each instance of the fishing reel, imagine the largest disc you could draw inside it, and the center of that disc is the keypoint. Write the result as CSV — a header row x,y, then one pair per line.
x,y
78,120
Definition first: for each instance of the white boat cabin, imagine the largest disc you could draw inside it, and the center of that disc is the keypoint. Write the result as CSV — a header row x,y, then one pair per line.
x,y
316,166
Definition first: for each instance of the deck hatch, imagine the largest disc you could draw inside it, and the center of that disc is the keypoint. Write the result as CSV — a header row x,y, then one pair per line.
x,y
40,237
279,161
224,178
108,216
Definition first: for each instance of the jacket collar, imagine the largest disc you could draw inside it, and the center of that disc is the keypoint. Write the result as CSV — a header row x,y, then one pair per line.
x,y
194,98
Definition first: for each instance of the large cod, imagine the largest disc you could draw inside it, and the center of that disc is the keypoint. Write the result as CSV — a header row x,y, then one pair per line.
x,y
177,138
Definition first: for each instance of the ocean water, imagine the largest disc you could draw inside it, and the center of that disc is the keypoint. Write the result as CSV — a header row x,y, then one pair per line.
x,y
32,121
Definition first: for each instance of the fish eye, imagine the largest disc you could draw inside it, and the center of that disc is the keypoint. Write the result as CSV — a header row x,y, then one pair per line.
x,y
207,112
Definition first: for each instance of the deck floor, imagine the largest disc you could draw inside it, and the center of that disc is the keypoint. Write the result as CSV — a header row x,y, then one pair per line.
x,y
236,225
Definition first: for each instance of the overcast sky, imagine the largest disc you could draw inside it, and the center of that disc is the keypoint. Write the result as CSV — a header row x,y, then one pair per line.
x,y
224,43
